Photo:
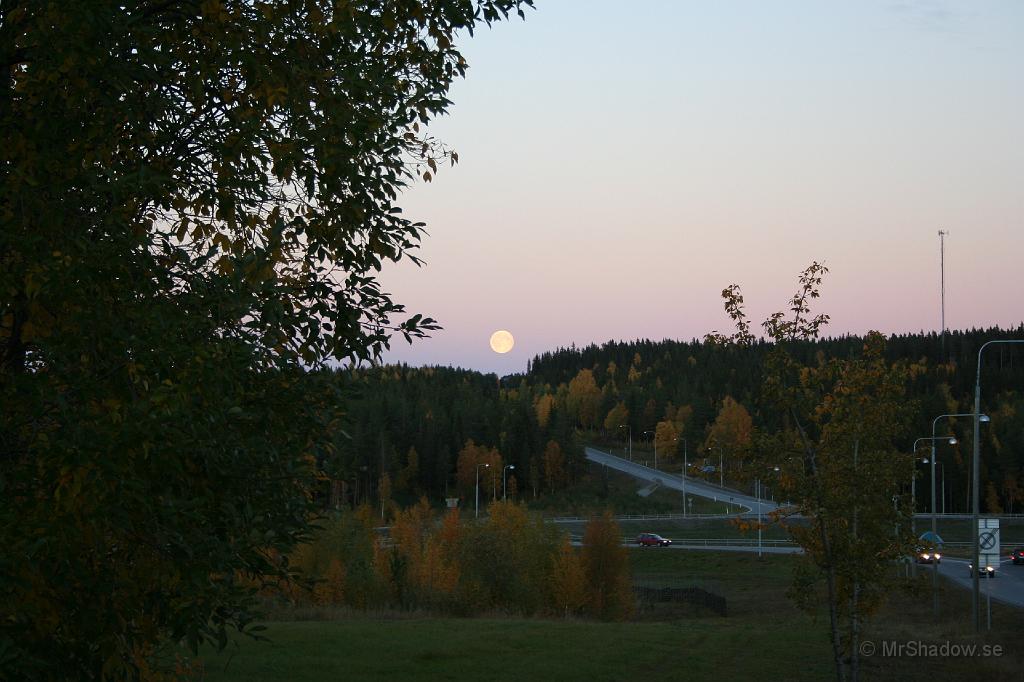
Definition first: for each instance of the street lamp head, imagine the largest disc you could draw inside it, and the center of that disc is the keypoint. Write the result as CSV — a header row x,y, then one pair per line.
x,y
952,440
511,466
984,418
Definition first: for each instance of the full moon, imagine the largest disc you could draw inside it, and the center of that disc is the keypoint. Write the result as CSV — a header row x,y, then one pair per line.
x,y
502,341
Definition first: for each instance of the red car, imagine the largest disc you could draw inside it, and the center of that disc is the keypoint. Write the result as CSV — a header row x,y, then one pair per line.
x,y
1017,555
652,540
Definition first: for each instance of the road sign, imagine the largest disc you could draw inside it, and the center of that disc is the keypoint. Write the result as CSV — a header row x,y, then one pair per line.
x,y
988,542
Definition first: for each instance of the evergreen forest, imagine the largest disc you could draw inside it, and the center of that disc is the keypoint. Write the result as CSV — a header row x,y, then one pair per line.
x,y
415,432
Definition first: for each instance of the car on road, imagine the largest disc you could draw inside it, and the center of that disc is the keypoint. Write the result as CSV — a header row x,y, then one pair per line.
x,y
927,555
987,572
1017,555
652,540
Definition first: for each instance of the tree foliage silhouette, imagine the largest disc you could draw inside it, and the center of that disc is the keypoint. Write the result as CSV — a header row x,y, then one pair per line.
x,y
195,199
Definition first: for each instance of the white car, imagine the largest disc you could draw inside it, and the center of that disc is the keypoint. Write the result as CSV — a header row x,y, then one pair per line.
x,y
987,572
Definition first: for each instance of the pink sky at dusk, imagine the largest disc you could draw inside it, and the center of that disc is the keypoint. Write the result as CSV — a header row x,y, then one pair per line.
x,y
621,163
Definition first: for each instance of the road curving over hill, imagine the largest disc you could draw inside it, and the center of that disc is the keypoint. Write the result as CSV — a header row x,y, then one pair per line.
x,y
692,486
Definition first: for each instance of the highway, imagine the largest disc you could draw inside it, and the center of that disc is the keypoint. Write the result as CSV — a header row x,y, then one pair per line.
x,y
693,486
1007,586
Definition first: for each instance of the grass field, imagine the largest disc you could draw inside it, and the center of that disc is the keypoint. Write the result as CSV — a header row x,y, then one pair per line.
x,y
764,636
752,587
519,649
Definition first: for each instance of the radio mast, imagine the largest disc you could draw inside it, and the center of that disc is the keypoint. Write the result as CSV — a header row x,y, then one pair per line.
x,y
942,285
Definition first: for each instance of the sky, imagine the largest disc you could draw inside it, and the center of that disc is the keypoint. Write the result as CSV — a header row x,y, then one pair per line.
x,y
620,163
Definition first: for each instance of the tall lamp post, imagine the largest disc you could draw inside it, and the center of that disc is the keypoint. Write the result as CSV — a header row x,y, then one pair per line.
x,y
683,478
478,466
504,469
757,492
630,432
942,485
655,441
721,467
952,441
975,471
935,568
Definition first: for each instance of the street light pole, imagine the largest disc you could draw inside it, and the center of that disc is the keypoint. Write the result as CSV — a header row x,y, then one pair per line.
x,y
503,470
935,567
721,469
942,485
975,471
913,480
685,466
630,432
654,439
477,512
683,479
757,493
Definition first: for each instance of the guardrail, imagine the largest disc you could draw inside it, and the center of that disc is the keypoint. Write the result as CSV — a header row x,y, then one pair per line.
x,y
967,545
643,517
725,542
704,542
668,474
928,515
677,517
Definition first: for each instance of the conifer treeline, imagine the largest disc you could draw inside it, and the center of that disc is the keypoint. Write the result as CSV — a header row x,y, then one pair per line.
x,y
408,426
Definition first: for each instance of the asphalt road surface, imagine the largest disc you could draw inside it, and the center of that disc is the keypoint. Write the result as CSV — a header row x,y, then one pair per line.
x,y
682,545
1007,586
693,486
749,549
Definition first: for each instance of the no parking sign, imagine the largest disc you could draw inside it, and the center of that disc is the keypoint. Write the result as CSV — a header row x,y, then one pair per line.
x,y
988,542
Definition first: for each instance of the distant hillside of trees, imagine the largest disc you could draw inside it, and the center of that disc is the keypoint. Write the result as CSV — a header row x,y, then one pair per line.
x,y
424,431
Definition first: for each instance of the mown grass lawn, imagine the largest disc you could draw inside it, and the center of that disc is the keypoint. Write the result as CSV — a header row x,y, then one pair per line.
x,y
365,648
763,637
695,646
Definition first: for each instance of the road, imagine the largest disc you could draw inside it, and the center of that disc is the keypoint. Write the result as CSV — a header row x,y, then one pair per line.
x,y
693,486
1007,586
749,549
684,545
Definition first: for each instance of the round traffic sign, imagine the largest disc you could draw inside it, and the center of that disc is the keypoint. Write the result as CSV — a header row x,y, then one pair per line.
x,y
987,540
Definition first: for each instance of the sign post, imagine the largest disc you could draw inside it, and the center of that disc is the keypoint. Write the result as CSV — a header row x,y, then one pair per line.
x,y
988,556
988,543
